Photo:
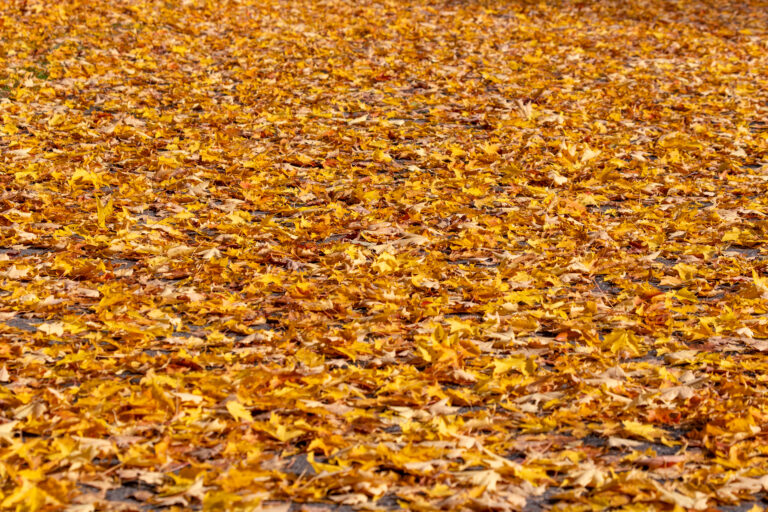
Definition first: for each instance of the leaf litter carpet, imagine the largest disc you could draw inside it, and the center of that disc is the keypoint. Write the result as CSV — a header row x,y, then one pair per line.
x,y
355,255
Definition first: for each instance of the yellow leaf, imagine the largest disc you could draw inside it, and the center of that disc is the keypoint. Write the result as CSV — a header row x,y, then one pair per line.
x,y
168,160
320,467
622,340
238,411
80,174
10,129
648,432
103,211
304,159
684,294
490,149
381,156
162,397
516,363
385,263
733,235
761,283
28,497
685,271
277,429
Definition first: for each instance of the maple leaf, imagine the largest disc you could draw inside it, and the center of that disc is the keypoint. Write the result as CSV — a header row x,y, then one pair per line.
x,y
642,430
623,341
28,496
238,411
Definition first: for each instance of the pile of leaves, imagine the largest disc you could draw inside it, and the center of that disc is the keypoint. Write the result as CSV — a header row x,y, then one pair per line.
x,y
420,254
